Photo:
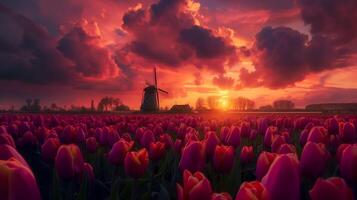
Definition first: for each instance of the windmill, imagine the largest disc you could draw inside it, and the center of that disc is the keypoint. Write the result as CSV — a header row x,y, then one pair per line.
x,y
150,101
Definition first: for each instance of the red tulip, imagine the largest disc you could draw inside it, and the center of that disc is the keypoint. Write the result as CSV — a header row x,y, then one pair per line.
x,y
333,188
167,140
49,149
192,157
68,135
247,155
268,137
157,150
117,154
252,191
264,161
348,163
314,158
211,142
136,163
332,126
348,133
195,187
221,196
69,161
91,145
225,131
223,158
17,181
283,179
178,146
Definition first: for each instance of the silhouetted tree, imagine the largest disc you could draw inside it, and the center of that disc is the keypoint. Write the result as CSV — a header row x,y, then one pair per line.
x,y
200,104
213,102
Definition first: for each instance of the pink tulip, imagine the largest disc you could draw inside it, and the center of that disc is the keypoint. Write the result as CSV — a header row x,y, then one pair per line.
x,y
88,171
333,188
233,137
287,148
264,161
7,152
348,133
314,158
278,140
192,157
69,161
157,150
49,149
221,196
283,180
223,158
268,137
252,191
247,155
211,142
318,135
136,163
147,138
195,187
340,150
91,145
7,139
119,150
348,163
17,181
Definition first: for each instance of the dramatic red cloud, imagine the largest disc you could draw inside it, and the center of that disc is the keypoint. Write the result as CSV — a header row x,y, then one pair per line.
x,y
73,51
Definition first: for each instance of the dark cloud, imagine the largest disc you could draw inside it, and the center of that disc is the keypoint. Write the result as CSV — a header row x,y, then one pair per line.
x,y
333,18
283,56
223,82
272,5
330,95
28,53
166,33
90,59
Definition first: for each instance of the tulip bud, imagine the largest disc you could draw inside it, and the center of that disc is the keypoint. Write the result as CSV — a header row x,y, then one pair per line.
x,y
211,141
348,133
318,135
195,187
348,163
233,137
167,140
278,140
17,181
223,158
88,171
340,150
303,137
192,157
7,139
245,130
91,145
268,137
287,148
247,155
49,149
311,154
265,159
119,150
333,188
147,138
136,163
7,152
252,191
283,173
69,161
157,150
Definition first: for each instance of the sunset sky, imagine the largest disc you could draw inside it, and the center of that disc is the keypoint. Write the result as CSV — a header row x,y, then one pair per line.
x,y
73,51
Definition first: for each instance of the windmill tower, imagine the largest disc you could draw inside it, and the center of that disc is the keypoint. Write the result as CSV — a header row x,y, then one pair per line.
x,y
150,101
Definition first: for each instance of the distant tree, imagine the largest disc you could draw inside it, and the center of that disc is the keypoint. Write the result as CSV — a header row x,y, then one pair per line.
x,y
31,106
213,102
28,103
200,104
283,105
266,108
242,103
110,104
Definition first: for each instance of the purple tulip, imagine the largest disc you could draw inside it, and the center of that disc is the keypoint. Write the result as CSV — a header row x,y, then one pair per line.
x,y
314,158
348,133
117,154
348,163
69,161
49,149
192,157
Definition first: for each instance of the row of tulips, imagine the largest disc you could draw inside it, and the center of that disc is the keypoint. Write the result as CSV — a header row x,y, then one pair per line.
x,y
184,157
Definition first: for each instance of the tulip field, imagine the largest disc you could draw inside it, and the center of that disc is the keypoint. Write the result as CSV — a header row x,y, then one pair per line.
x,y
184,157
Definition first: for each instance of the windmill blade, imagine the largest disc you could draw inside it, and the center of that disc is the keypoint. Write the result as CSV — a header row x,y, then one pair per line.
x,y
157,93
161,90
